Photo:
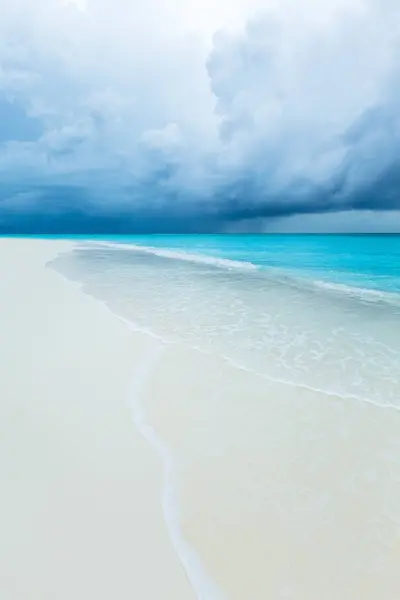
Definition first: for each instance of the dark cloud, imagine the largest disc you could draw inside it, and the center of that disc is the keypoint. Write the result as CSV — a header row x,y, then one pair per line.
x,y
306,122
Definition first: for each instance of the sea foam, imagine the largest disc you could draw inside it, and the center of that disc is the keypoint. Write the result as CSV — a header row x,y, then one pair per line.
x,y
202,259
203,587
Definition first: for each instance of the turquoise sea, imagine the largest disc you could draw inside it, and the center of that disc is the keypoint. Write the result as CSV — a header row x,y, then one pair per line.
x,y
316,311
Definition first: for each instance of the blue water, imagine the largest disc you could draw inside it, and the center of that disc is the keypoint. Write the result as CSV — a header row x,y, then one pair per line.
x,y
366,261
316,311
371,261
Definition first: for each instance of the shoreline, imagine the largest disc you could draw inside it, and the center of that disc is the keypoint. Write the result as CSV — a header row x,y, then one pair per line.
x,y
201,583
281,489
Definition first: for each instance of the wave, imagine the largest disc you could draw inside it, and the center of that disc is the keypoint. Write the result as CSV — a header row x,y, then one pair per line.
x,y
362,293
168,338
279,275
202,259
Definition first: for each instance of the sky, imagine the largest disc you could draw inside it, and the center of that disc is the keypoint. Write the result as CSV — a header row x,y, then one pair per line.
x,y
199,115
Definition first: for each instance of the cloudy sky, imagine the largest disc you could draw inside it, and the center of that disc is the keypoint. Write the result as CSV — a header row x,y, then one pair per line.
x,y
199,115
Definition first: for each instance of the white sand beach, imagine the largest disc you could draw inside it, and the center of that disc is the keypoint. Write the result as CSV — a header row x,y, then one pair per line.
x,y
284,493
81,515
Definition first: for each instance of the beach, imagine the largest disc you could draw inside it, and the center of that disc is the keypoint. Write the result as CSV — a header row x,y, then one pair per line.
x,y
136,466
81,515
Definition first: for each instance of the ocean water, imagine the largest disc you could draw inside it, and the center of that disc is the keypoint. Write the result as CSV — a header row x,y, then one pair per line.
x,y
318,312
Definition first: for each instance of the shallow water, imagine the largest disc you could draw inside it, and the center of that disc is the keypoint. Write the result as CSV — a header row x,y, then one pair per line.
x,y
321,334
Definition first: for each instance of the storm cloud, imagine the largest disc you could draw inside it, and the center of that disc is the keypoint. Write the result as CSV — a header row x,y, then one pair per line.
x,y
116,117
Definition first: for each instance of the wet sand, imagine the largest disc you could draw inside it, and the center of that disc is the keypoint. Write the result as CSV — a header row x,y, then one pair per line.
x,y
285,492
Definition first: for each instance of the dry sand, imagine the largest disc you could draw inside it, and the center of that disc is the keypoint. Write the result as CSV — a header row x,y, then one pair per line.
x,y
80,510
